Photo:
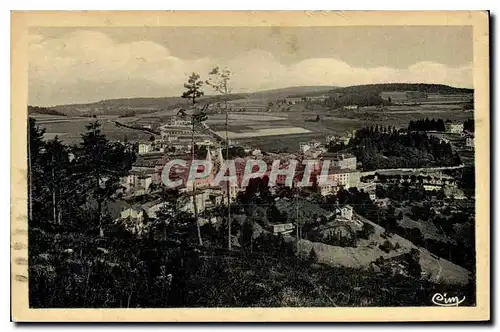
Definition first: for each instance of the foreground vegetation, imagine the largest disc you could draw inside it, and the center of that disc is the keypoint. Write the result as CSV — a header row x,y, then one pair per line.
x,y
386,147
79,258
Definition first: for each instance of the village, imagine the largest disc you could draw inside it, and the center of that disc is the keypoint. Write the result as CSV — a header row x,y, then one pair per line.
x,y
142,187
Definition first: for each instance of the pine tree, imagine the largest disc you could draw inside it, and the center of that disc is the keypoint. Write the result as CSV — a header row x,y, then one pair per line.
x,y
193,92
100,165
57,175
313,256
219,81
36,148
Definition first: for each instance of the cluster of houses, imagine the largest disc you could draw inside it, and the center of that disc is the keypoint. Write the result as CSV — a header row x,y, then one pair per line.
x,y
345,139
458,128
453,128
177,134
144,180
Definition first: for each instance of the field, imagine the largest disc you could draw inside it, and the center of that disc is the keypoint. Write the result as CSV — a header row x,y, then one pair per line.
x,y
70,129
262,120
437,269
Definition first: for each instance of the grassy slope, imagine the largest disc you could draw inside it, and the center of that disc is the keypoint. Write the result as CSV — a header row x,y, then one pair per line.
x,y
439,270
112,105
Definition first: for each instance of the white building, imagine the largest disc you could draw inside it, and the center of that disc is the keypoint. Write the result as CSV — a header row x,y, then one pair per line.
x,y
341,178
145,148
454,128
469,141
304,147
341,160
256,152
137,181
282,228
346,212
140,212
205,199
313,153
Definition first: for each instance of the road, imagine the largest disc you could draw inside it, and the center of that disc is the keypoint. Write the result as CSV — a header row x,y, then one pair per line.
x,y
424,170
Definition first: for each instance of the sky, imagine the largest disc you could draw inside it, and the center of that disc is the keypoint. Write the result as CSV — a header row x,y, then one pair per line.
x,y
79,65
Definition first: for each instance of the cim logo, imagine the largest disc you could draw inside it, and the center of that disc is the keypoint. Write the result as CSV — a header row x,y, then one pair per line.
x,y
444,301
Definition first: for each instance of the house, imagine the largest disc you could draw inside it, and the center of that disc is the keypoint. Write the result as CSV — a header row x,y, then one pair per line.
x,y
179,130
345,177
205,199
329,189
469,141
430,187
453,128
144,148
282,228
341,160
339,178
304,147
313,153
141,212
256,152
137,181
345,212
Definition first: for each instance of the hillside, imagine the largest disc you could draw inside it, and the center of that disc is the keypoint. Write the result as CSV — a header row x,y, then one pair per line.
x,y
43,111
294,91
139,105
150,104
401,87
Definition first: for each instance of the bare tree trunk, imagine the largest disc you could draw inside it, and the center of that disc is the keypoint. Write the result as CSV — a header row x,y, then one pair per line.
x,y
99,211
54,203
297,226
99,206
228,185
30,175
195,204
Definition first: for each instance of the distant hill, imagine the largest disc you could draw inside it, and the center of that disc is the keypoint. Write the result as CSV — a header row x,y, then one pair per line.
x,y
43,110
148,105
294,91
138,105
386,87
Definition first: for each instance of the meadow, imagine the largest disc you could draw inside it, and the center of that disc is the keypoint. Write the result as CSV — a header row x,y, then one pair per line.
x,y
263,121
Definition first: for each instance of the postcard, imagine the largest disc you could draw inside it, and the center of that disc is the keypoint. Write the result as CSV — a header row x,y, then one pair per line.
x,y
250,166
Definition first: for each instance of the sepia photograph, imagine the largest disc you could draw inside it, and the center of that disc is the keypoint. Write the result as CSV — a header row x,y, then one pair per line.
x,y
261,166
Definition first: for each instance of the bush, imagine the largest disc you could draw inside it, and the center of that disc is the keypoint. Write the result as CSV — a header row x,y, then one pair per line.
x,y
386,246
366,231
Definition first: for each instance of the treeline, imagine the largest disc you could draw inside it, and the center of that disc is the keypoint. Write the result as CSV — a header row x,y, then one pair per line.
x,y
387,87
460,253
427,125
79,258
382,147
71,185
136,127
469,125
128,114
157,274
359,99
43,110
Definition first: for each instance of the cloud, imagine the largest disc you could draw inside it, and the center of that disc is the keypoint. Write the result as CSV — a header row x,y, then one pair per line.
x,y
87,66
